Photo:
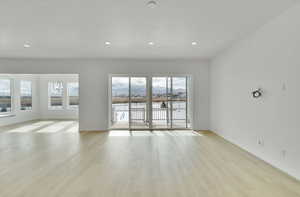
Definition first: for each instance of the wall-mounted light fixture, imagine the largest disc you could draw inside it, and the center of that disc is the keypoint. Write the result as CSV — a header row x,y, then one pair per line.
x,y
257,93
152,4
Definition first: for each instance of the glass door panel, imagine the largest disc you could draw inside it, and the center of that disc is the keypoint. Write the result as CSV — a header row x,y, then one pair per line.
x,y
179,102
170,102
120,102
160,103
138,103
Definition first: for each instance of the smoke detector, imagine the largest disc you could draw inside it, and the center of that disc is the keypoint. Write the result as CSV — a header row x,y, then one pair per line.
x,y
152,4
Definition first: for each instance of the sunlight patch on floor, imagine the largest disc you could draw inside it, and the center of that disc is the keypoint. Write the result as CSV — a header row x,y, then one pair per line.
x,y
24,129
46,126
73,129
30,127
126,133
141,133
117,133
59,126
185,133
43,123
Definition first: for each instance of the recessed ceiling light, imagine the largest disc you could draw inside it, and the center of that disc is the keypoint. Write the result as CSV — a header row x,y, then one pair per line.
x,y
194,43
151,43
27,45
107,43
151,4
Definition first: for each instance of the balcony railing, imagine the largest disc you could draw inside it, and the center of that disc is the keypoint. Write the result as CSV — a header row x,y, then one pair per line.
x,y
140,114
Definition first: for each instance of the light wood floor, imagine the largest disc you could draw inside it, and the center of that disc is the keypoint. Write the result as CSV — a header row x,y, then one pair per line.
x,y
133,164
45,126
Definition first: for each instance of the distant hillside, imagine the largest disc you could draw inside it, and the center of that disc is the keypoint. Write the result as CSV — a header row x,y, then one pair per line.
x,y
120,90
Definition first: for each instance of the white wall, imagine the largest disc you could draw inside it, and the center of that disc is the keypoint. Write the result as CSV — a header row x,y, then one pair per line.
x,y
269,59
45,112
20,115
93,79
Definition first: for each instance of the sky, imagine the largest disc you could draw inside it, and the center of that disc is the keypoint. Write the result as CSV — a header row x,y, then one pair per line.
x,y
178,82
4,87
56,88
26,89
73,89
120,85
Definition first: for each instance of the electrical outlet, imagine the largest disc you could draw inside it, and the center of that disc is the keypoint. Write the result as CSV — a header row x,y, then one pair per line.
x,y
260,142
283,87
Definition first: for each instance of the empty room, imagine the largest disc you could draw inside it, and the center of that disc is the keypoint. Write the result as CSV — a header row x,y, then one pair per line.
x,y
149,98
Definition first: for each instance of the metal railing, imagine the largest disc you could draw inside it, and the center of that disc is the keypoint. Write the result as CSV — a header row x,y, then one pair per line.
x,y
160,114
139,114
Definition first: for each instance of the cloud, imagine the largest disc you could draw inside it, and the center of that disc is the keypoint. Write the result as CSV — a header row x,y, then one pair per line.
x,y
4,87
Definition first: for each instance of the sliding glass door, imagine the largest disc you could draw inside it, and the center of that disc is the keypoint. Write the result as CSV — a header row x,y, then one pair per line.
x,y
129,103
161,105
179,100
150,102
138,103
120,102
170,102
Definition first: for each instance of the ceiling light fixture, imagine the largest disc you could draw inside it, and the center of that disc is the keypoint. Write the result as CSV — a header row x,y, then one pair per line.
x,y
107,43
26,45
151,4
194,43
151,43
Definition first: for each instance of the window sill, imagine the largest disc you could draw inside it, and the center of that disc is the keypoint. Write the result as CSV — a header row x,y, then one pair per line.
x,y
72,109
50,108
25,111
7,115
64,109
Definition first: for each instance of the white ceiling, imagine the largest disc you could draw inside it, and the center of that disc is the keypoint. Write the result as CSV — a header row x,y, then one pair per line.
x,y
79,28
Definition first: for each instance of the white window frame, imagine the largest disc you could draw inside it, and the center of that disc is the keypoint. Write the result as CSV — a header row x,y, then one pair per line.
x,y
20,102
12,103
68,96
63,96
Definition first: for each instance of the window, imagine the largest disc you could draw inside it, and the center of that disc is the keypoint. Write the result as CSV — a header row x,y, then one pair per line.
x,y
26,95
5,96
73,95
55,92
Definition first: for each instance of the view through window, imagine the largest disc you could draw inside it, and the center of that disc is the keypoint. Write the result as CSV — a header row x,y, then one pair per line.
x,y
5,96
55,90
73,95
120,102
26,95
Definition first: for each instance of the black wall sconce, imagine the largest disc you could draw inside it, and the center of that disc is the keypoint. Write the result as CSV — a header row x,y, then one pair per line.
x,y
257,93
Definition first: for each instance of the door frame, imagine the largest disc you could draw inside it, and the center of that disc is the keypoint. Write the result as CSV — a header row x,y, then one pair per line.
x,y
189,103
